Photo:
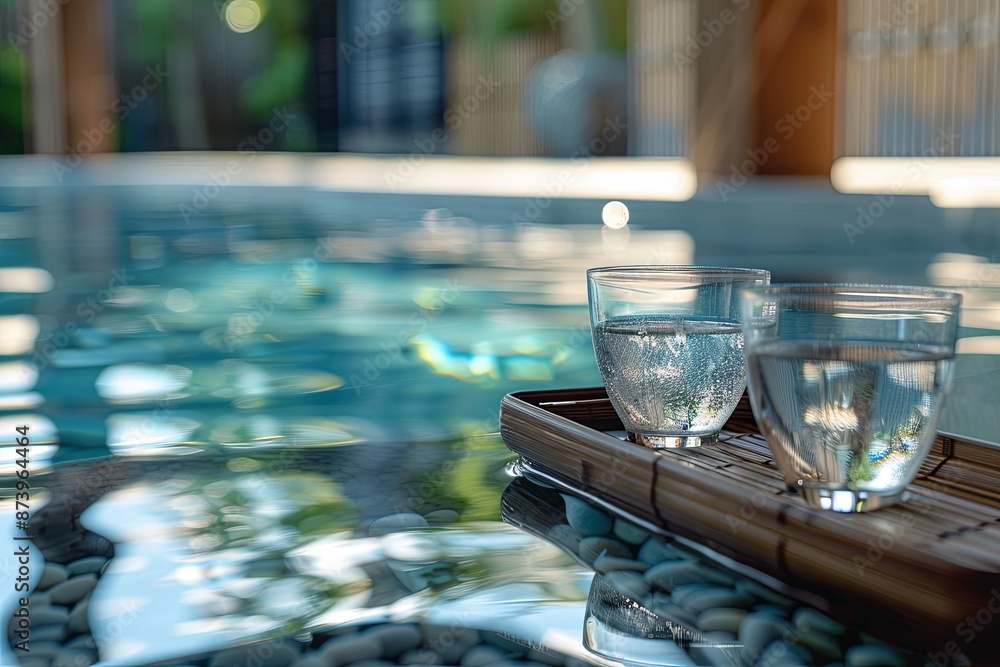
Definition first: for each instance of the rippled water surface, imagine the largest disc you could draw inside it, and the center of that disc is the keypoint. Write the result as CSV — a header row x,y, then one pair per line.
x,y
274,426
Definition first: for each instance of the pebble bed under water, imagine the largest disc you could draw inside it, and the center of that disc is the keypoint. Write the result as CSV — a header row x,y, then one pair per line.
x,y
717,615
705,604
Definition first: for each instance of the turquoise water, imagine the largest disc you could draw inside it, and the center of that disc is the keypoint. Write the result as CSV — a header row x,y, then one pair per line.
x,y
277,422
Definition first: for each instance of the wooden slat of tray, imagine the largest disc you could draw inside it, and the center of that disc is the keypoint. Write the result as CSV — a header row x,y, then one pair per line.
x,y
929,562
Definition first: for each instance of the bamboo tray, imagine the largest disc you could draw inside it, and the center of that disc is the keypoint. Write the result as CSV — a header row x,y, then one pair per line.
x,y
913,573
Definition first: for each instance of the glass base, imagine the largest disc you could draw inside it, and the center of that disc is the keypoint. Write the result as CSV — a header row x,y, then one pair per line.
x,y
847,500
617,627
661,441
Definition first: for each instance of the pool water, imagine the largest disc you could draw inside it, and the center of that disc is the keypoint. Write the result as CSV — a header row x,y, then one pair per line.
x,y
274,426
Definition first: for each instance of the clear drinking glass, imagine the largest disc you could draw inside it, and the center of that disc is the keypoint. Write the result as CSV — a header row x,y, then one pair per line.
x,y
847,382
669,347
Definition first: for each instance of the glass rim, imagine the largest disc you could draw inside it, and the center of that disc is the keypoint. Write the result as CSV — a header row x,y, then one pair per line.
x,y
862,295
651,271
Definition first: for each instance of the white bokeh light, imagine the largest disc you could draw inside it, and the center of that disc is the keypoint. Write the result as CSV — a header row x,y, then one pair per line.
x,y
615,214
242,15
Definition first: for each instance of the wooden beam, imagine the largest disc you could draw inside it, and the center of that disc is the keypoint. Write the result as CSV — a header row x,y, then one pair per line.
x,y
795,47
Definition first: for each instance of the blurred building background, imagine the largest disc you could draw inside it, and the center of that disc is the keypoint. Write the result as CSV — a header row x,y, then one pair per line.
x,y
712,80
917,70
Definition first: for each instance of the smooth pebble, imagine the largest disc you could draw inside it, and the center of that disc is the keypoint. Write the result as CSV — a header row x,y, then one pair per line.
x,y
451,643
605,563
774,609
90,565
48,633
49,615
655,551
420,656
86,641
667,576
72,590
873,655
681,593
35,662
39,598
716,575
810,619
396,639
592,547
627,583
74,657
351,648
723,619
699,601
52,574
477,656
630,533
77,623
393,523
44,649
587,520
825,648
757,631
780,653
764,593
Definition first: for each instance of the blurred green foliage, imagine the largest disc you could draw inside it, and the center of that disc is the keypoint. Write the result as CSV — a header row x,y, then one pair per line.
x,y
12,90
150,32
490,20
284,79
13,86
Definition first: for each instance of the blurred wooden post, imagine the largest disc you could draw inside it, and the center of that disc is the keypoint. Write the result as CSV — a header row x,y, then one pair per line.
x,y
90,89
795,47
72,87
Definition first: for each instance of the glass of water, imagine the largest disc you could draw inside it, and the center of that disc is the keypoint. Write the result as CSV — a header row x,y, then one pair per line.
x,y
847,382
670,349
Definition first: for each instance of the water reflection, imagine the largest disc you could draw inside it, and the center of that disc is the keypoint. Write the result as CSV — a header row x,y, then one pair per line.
x,y
211,551
281,343
659,599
